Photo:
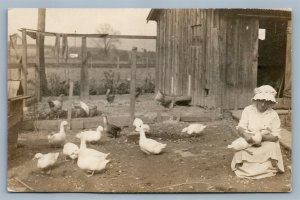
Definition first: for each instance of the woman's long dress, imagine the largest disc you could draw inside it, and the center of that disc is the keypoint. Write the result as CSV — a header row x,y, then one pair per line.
x,y
267,159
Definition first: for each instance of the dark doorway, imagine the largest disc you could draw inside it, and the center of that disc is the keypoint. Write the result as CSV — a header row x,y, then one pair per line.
x,y
272,53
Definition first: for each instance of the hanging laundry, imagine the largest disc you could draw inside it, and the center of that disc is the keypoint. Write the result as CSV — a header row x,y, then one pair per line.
x,y
13,46
65,48
31,34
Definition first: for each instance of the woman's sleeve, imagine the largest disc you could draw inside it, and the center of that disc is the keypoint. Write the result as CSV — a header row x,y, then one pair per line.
x,y
275,125
244,121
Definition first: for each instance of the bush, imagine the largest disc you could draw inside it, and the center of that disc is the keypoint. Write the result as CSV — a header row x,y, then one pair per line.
x,y
123,87
96,88
56,86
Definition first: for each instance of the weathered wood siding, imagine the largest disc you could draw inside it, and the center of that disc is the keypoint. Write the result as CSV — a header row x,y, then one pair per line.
x,y
219,51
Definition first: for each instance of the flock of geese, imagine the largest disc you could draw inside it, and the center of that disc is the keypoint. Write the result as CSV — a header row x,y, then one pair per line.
x,y
91,160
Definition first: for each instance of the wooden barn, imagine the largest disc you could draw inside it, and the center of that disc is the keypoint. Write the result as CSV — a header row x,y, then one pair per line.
x,y
218,56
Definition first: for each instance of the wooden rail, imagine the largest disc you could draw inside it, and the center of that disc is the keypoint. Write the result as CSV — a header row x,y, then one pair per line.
x,y
97,35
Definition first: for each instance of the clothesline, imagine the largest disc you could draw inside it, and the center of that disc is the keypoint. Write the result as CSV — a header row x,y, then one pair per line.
x,y
32,33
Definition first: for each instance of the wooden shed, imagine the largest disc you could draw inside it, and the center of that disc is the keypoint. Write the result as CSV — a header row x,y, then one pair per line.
x,y
15,113
216,56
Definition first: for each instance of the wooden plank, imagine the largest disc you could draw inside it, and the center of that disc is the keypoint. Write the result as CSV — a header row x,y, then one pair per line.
x,y
253,57
248,81
236,65
172,51
14,118
41,47
70,105
216,69
288,63
162,61
243,41
187,44
186,50
174,56
132,83
197,67
24,71
168,52
232,56
180,56
222,49
12,140
194,56
91,122
47,125
46,33
161,28
203,59
157,67
163,72
194,117
84,77
178,98
77,124
37,70
208,65
57,43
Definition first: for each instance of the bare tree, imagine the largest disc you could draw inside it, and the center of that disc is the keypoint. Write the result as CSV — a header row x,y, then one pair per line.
x,y
107,43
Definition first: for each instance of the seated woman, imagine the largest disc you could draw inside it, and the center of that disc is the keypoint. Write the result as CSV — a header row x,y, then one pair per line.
x,y
266,158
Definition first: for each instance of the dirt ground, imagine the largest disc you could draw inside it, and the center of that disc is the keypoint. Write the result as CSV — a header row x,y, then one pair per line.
x,y
198,163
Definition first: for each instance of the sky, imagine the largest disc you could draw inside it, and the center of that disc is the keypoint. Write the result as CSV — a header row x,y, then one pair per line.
x,y
128,21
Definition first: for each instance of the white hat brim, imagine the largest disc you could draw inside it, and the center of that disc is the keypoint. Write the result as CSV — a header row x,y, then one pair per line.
x,y
264,96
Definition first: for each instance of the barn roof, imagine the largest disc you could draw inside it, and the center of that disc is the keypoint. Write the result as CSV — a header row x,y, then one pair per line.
x,y
153,14
15,90
251,12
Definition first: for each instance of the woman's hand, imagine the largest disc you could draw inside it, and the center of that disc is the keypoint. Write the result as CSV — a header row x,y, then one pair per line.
x,y
265,131
245,134
269,138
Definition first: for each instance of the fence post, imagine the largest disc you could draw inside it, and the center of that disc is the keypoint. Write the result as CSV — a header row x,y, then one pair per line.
x,y
132,84
70,106
84,78
37,70
118,63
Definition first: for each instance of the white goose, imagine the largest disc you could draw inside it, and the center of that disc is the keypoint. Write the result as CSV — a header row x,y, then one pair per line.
x,y
58,139
84,151
90,135
46,161
91,160
149,146
92,164
70,150
194,128
257,137
241,144
138,123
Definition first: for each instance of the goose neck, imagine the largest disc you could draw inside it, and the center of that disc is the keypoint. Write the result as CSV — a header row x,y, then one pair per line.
x,y
142,134
82,144
62,129
104,122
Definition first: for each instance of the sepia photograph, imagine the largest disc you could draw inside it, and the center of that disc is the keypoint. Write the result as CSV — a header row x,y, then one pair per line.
x,y
149,100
